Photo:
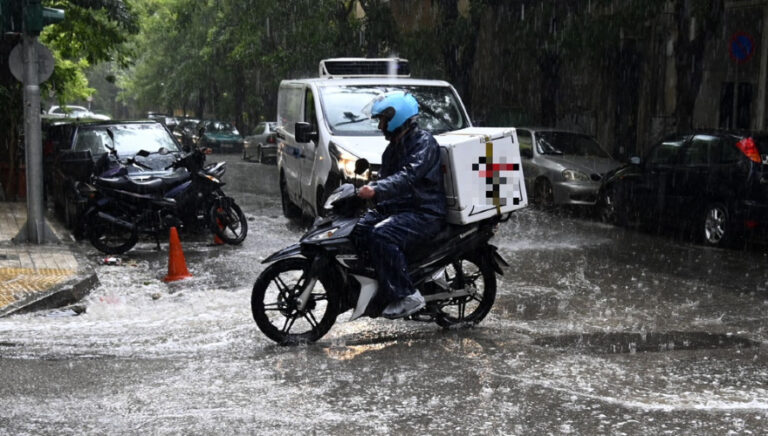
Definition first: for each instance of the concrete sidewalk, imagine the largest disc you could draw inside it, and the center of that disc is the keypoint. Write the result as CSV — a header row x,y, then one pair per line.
x,y
36,276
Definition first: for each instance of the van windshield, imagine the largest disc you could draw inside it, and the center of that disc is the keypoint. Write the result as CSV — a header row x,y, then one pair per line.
x,y
439,111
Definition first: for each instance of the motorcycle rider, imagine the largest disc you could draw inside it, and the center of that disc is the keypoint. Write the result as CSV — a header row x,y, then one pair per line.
x,y
410,200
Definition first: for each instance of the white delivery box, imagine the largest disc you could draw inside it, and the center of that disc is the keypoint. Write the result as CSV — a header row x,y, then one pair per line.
x,y
483,174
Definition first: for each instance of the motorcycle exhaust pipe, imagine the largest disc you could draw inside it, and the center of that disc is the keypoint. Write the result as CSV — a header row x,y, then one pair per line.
x,y
116,221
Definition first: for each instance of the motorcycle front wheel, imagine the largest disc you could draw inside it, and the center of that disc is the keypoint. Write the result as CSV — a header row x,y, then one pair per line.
x,y
228,222
275,301
479,279
110,238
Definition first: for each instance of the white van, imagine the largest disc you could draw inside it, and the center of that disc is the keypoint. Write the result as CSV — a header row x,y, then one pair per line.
x,y
322,131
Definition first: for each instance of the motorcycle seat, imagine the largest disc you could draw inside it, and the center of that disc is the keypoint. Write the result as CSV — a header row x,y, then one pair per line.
x,y
150,186
424,250
177,177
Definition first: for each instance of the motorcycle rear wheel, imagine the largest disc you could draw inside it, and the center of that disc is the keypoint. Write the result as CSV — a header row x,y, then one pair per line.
x,y
468,310
110,238
228,222
274,304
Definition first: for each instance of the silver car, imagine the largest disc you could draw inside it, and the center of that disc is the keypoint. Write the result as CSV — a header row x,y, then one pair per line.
x,y
262,145
561,167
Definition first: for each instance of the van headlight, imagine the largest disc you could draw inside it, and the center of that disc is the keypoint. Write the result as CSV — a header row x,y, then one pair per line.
x,y
344,160
575,176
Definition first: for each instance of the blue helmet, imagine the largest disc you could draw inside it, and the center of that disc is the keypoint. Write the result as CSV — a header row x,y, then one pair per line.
x,y
395,107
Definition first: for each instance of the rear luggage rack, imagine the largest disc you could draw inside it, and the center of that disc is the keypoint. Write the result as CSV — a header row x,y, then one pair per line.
x,y
364,67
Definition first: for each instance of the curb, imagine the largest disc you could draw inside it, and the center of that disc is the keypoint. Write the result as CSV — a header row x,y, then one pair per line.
x,y
64,294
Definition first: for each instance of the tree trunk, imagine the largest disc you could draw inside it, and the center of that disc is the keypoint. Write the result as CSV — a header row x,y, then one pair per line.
x,y
549,66
459,41
689,54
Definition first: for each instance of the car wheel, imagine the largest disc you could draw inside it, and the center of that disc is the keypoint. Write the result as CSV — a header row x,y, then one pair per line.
x,y
70,211
543,195
610,208
290,210
716,230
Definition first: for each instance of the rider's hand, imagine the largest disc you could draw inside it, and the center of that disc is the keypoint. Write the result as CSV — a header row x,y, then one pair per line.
x,y
366,192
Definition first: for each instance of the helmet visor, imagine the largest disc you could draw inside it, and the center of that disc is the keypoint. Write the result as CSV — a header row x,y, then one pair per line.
x,y
367,110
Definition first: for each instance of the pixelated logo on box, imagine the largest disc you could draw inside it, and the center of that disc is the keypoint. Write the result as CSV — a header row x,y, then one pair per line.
x,y
501,177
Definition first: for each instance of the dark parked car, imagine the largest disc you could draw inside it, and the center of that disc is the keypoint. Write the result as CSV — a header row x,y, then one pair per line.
x,y
79,146
218,136
713,182
185,132
262,145
561,167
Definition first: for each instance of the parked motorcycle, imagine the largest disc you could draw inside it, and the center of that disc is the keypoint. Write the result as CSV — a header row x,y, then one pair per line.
x,y
299,296
122,207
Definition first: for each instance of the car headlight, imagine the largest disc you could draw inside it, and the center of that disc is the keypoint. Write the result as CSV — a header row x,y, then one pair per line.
x,y
575,176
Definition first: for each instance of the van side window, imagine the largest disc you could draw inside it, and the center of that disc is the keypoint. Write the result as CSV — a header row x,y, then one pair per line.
x,y
526,143
309,110
289,107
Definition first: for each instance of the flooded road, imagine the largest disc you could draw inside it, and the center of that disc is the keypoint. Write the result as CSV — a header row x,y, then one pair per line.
x,y
596,330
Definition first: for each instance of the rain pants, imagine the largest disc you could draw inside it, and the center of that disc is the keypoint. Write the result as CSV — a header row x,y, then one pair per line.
x,y
410,209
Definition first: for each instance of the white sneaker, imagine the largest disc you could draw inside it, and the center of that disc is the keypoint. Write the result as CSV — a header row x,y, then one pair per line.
x,y
405,306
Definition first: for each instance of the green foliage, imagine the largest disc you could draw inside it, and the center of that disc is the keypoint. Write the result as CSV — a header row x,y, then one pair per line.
x,y
93,31
225,58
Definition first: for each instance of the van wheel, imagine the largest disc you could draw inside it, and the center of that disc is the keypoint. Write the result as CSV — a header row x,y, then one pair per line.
x,y
290,210
716,227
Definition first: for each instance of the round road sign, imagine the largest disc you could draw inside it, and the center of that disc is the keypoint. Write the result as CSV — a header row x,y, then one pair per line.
x,y
741,47
44,62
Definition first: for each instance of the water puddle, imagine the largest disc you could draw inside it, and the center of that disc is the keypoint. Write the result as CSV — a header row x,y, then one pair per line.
x,y
611,343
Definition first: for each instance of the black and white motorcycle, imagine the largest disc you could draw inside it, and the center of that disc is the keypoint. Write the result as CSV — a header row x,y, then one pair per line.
x,y
299,296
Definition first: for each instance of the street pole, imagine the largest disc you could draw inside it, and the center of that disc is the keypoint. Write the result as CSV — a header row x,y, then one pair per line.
x,y
36,229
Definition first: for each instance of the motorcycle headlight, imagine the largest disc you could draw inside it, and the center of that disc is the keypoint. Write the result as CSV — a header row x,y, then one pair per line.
x,y
324,234
575,176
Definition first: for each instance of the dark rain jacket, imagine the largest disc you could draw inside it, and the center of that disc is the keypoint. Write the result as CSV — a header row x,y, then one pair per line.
x,y
410,178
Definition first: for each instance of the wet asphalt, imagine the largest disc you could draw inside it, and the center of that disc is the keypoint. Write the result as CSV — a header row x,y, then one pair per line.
x,y
596,330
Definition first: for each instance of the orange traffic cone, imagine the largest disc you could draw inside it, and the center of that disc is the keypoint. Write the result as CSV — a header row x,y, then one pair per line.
x,y
177,266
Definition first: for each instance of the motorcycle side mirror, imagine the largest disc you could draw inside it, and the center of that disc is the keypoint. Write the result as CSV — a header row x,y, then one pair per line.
x,y
361,166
